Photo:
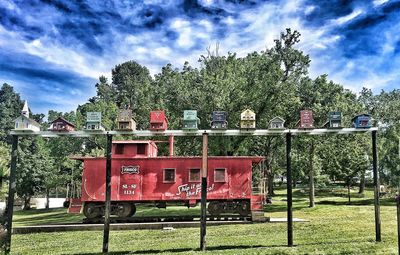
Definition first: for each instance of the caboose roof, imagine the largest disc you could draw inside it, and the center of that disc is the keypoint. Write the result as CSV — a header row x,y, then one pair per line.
x,y
133,141
254,159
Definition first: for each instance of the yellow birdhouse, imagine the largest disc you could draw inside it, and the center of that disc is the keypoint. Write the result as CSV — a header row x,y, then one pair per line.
x,y
247,119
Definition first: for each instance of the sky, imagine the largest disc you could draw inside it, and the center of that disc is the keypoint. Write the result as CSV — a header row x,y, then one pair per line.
x,y
52,52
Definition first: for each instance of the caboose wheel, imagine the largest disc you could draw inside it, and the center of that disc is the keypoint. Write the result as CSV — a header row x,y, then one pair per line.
x,y
214,208
243,208
124,210
91,211
133,211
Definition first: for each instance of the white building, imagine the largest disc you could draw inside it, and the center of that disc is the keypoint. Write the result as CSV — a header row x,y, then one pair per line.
x,y
23,122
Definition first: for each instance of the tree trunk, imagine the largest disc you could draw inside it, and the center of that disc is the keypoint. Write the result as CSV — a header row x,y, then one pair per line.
x,y
270,184
362,184
47,198
27,203
311,176
348,192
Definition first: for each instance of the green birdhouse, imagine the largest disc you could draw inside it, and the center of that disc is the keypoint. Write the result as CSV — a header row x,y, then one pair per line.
x,y
335,119
190,120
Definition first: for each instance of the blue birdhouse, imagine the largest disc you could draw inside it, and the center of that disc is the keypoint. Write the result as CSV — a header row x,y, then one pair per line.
x,y
362,121
219,120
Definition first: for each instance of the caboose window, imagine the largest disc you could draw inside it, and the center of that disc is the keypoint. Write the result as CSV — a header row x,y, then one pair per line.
x,y
219,175
119,149
141,149
194,175
169,175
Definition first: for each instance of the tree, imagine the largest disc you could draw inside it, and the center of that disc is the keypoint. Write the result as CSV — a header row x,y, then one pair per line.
x,y
10,109
132,84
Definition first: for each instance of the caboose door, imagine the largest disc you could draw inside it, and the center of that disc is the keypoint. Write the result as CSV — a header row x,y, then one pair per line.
x,y
130,183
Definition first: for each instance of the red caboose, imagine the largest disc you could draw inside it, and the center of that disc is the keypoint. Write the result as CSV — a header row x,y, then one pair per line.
x,y
139,176
158,121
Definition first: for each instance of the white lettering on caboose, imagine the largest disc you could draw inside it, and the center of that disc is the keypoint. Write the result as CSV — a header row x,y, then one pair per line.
x,y
192,189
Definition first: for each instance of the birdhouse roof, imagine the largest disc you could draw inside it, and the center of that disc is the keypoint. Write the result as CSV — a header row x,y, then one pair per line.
x,y
361,115
157,116
63,120
247,112
278,118
32,121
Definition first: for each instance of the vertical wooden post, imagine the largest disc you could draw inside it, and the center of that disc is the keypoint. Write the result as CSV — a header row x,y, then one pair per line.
x,y
289,189
108,195
398,222
204,173
376,188
11,192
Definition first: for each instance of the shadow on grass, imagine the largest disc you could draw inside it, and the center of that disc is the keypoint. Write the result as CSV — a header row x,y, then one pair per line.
x,y
337,242
177,250
383,202
55,218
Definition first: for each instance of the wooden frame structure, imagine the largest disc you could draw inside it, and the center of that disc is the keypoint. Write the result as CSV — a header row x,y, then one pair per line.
x,y
205,134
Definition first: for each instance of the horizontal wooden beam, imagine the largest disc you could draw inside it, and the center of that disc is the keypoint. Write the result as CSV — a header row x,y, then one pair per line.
x,y
211,132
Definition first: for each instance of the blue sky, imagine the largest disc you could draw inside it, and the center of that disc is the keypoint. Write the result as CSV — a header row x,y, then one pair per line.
x,y
52,52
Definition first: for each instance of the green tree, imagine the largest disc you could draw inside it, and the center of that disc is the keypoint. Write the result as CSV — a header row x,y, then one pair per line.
x,y
10,109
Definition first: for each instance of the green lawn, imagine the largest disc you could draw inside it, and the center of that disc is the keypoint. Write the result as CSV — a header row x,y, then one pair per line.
x,y
333,228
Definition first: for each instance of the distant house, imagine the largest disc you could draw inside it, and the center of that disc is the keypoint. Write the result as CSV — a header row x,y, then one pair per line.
x,y
61,124
23,122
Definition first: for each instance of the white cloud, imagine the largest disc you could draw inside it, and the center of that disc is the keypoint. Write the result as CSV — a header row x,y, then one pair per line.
x,y
347,18
379,2
309,9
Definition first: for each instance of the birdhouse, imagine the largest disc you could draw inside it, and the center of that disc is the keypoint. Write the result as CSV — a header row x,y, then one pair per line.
x,y
158,121
61,124
277,123
190,119
125,120
335,120
23,122
247,119
306,119
219,120
93,121
362,121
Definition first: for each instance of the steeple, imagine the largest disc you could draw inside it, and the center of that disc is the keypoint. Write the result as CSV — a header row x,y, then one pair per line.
x,y
25,109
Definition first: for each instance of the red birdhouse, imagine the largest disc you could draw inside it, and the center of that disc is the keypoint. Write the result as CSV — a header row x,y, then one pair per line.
x,y
158,121
306,119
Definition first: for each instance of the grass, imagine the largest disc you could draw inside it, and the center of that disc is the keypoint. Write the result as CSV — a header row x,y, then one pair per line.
x,y
333,228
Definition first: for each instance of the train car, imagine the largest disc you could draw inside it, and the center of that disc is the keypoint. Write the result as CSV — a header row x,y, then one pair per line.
x,y
140,176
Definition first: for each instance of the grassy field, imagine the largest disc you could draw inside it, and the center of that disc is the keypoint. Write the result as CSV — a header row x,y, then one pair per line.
x,y
334,227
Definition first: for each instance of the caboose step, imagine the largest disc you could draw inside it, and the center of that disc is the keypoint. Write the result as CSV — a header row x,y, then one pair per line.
x,y
168,219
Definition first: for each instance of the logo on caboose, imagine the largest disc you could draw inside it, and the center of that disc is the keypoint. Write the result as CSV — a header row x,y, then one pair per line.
x,y
130,170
